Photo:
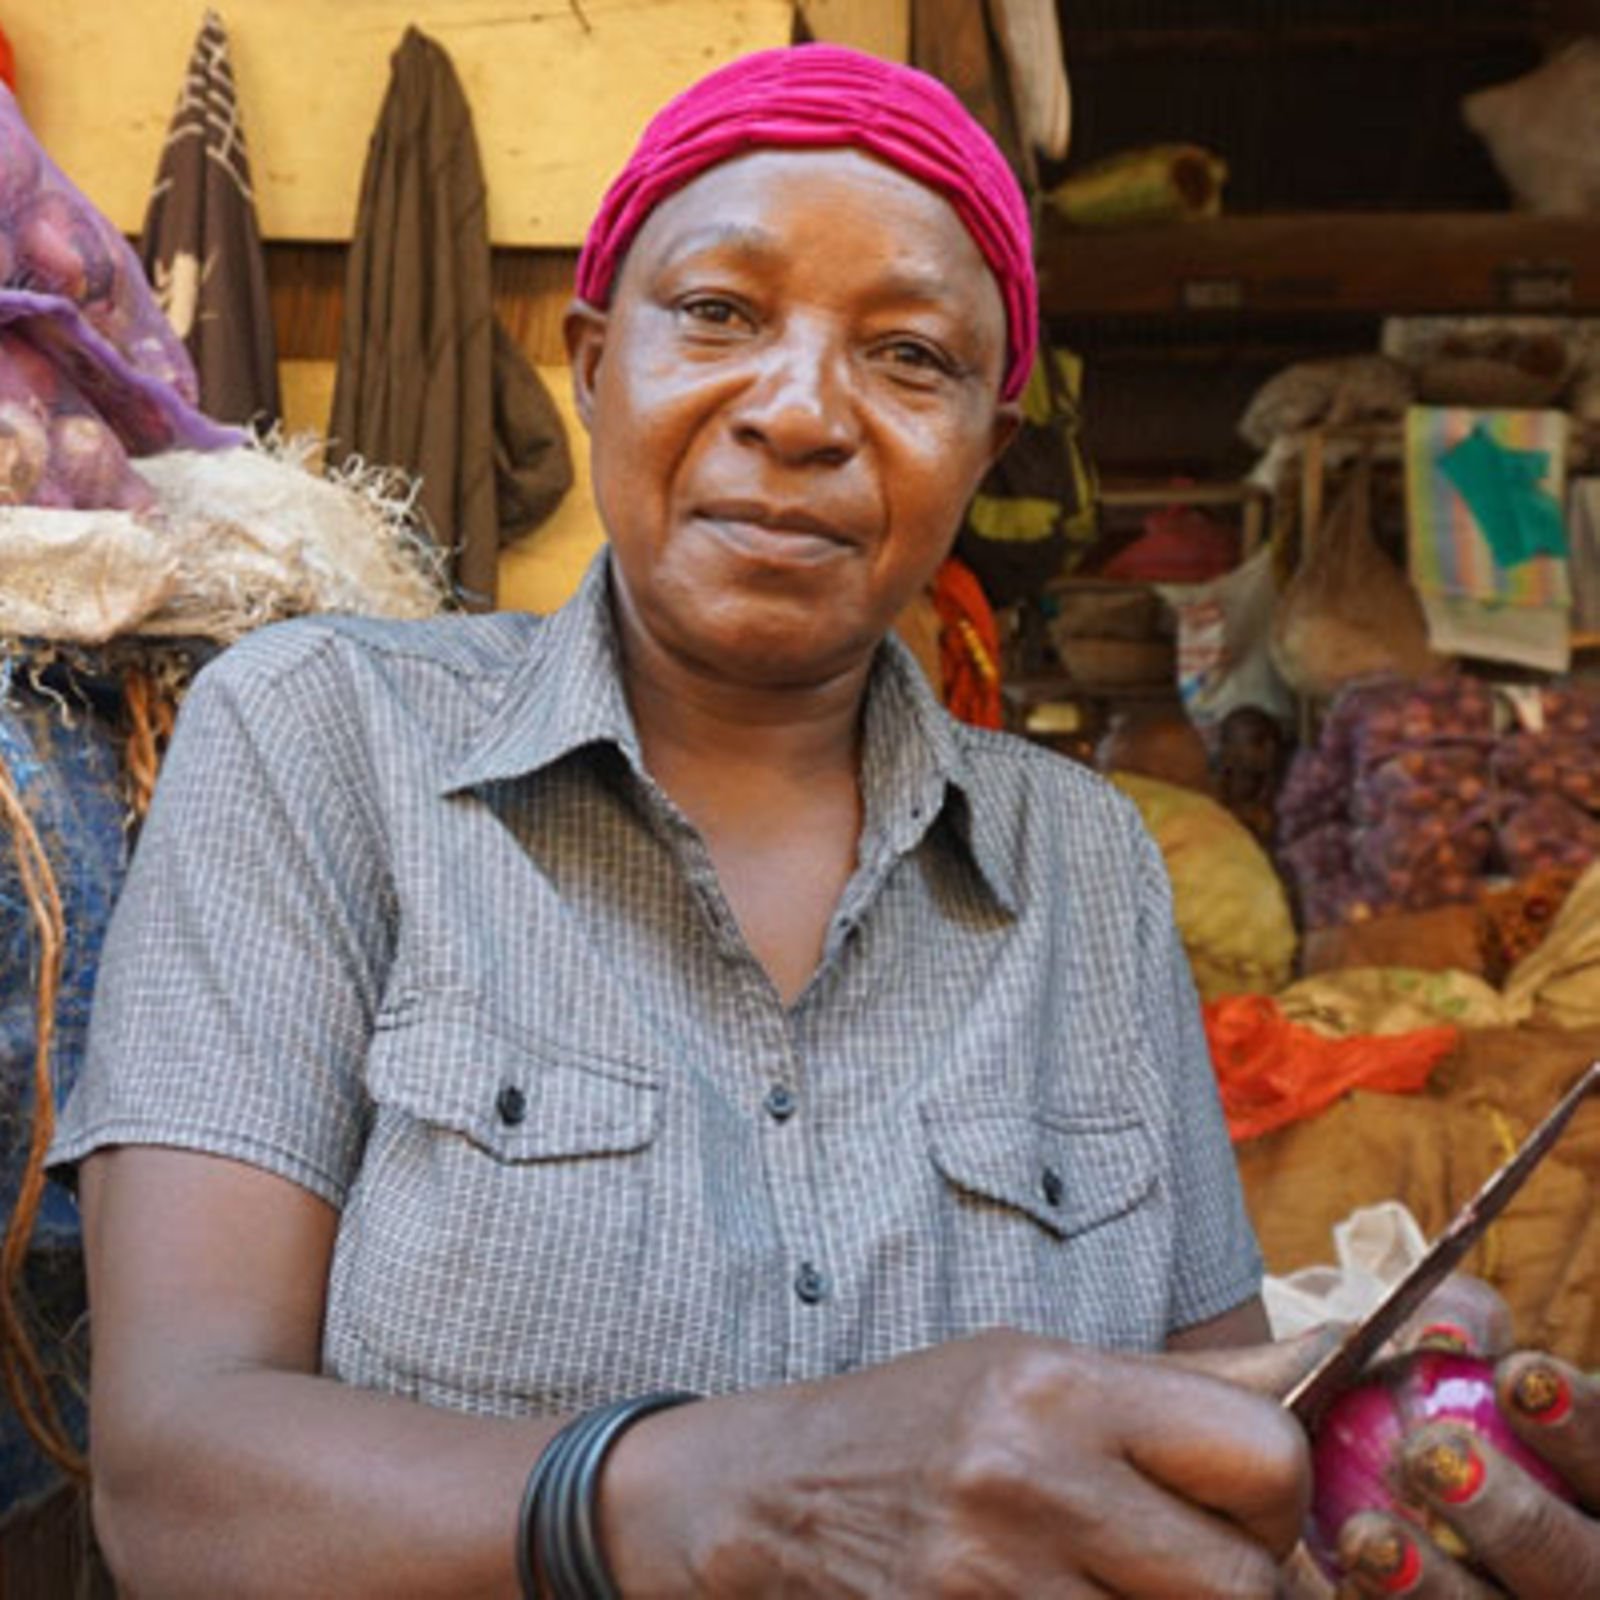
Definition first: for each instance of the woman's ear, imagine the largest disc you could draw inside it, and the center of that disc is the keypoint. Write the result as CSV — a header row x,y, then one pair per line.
x,y
1007,419
584,330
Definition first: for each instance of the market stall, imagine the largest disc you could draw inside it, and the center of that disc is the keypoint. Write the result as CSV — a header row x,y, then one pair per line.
x,y
1299,544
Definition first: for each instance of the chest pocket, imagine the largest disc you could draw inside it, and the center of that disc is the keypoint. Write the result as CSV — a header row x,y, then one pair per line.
x,y
1052,1222
515,1096
503,1200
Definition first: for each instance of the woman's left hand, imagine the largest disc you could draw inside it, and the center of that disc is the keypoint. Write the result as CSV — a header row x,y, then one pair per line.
x,y
1536,1546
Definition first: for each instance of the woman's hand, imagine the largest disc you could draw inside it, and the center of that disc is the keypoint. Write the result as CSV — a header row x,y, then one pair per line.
x,y
995,1466
1531,1544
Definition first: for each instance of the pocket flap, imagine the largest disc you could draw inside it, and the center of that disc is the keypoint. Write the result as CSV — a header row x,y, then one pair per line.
x,y
1068,1173
520,1098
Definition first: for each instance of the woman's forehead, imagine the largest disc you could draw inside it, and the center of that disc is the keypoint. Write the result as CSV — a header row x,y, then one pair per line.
x,y
767,202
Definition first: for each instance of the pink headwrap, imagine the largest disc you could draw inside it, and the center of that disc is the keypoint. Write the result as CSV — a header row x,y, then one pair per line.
x,y
824,95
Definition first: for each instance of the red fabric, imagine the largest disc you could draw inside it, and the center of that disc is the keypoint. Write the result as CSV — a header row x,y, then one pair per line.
x,y
1179,545
969,646
820,96
1273,1071
8,63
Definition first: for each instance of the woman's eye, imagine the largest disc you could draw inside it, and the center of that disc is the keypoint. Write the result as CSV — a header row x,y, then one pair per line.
x,y
918,357
711,310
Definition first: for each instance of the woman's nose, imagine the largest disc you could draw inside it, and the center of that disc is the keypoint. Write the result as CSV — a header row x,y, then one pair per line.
x,y
800,405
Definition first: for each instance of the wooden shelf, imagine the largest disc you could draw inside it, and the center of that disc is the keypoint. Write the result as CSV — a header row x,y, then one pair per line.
x,y
1355,263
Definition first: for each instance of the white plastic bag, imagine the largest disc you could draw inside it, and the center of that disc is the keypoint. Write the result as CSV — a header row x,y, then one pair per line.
x,y
1375,1245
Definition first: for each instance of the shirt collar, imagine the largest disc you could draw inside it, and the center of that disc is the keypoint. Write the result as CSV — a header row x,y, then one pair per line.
x,y
926,768
917,761
566,694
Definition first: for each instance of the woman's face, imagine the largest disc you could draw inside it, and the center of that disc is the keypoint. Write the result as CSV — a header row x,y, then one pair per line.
x,y
790,401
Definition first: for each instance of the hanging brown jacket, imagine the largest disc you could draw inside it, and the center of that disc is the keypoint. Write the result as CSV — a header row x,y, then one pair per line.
x,y
417,385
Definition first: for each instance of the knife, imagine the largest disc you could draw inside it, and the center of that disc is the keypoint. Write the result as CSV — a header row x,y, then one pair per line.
x,y
1344,1364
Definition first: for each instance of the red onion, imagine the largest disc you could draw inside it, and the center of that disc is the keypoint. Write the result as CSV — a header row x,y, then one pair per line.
x,y
1355,1453
60,250
88,461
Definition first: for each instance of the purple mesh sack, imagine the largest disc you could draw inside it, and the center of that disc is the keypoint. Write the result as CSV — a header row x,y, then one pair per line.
x,y
90,372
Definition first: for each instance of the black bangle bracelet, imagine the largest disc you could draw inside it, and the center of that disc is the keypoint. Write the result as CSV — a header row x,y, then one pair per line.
x,y
527,1578
557,1540
552,1527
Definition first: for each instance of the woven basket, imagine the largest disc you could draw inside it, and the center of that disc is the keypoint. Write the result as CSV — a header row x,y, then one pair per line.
x,y
1118,663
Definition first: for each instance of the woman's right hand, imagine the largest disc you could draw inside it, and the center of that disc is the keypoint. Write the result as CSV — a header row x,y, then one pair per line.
x,y
1001,1465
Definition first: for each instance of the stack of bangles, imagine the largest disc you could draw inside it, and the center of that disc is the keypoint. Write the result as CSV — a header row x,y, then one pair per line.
x,y
558,1543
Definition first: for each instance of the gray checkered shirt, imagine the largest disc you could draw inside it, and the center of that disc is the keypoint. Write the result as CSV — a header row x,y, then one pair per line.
x,y
411,925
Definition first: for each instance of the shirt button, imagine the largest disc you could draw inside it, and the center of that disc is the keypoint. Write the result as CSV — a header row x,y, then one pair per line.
x,y
810,1284
512,1104
1050,1183
780,1102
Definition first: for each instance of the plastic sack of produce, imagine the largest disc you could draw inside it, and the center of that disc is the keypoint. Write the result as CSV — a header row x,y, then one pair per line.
x,y
1547,831
62,767
1401,771
1531,764
54,242
1415,861
1422,782
1320,869
1314,793
1230,906
1392,716
1424,825
89,370
55,450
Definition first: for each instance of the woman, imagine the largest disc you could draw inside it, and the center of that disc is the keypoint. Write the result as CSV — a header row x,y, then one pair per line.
x,y
510,1017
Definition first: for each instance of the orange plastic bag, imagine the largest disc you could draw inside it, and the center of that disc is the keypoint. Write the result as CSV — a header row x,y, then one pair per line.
x,y
1272,1071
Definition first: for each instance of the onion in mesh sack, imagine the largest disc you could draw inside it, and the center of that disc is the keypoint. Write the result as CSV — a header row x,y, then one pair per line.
x,y
1355,1452
60,251
89,465
19,160
24,451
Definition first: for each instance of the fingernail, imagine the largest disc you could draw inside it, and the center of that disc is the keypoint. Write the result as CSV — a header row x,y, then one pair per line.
x,y
1446,1336
1391,1562
1542,1393
1447,1468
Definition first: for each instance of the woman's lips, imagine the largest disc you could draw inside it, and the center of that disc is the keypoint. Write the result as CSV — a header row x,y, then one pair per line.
x,y
775,534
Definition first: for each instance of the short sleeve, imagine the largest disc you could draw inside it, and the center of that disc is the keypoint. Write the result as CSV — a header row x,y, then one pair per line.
x,y
246,956
1216,1261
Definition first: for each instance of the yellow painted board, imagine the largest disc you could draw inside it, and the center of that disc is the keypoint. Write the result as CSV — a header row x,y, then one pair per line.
x,y
559,90
880,27
541,572
306,391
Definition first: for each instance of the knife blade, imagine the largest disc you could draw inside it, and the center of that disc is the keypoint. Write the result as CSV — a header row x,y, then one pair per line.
x,y
1344,1363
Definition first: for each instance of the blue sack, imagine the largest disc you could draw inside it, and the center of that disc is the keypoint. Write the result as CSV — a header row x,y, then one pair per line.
x,y
59,746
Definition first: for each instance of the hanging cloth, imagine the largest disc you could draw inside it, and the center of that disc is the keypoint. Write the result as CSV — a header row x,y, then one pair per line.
x,y
201,249
1486,547
426,382
969,647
